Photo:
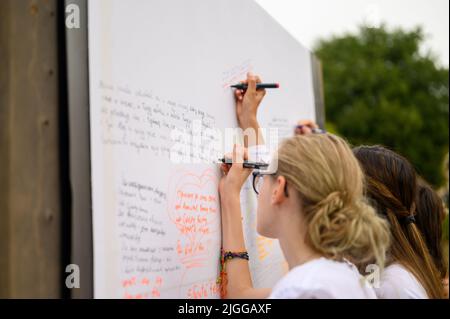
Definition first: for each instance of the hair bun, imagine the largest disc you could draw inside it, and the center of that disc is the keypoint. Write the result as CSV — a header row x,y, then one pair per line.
x,y
334,201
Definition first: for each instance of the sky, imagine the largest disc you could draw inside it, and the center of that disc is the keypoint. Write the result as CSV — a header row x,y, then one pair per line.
x,y
309,20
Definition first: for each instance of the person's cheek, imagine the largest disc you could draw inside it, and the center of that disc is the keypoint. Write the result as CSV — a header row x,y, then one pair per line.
x,y
261,217
263,224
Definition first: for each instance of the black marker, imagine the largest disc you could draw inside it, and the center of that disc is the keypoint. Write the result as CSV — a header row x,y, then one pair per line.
x,y
242,86
245,164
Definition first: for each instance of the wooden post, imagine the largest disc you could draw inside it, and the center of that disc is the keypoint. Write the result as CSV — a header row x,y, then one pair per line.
x,y
30,210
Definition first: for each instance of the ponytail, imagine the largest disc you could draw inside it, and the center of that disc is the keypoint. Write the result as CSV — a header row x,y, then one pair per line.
x,y
391,186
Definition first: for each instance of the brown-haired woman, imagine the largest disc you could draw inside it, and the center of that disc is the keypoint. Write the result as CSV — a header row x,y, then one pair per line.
x,y
429,219
392,188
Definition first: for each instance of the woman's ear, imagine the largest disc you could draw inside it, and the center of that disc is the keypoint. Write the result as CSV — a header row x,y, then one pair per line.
x,y
278,193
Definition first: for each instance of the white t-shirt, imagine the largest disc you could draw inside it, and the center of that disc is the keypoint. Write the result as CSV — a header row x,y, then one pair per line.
x,y
323,278
397,282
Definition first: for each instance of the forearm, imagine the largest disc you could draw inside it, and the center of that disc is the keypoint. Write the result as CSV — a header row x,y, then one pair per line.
x,y
238,272
252,132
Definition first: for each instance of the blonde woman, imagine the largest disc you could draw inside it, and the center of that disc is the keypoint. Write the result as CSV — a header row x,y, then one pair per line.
x,y
313,204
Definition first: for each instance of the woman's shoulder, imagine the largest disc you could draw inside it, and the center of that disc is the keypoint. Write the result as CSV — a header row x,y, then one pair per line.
x,y
397,282
322,278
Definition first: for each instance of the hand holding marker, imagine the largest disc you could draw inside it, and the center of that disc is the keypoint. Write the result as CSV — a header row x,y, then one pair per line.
x,y
245,164
259,86
299,129
306,127
243,86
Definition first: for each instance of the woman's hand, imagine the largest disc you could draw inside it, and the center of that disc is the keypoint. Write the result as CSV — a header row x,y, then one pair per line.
x,y
247,102
234,176
305,127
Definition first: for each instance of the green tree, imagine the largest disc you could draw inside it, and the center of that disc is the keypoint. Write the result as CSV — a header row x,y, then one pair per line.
x,y
380,89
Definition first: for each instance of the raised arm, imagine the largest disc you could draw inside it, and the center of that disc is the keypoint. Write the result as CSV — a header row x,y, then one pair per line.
x,y
247,104
238,283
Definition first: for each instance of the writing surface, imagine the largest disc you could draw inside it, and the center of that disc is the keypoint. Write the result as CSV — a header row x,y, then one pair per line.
x,y
160,105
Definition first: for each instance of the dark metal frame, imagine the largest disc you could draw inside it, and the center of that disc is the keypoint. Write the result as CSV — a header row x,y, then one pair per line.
x,y
79,152
319,99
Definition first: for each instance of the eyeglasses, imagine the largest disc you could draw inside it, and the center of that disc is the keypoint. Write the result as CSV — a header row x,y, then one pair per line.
x,y
258,181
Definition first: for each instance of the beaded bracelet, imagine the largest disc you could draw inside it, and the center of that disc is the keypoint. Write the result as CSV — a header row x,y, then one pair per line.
x,y
224,257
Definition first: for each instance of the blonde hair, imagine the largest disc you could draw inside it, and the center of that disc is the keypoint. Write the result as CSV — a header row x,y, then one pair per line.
x,y
330,184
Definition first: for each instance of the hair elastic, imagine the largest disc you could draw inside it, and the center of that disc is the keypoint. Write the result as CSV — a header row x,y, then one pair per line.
x,y
409,220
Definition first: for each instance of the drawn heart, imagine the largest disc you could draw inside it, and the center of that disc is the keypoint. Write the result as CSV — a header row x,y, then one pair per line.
x,y
193,207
